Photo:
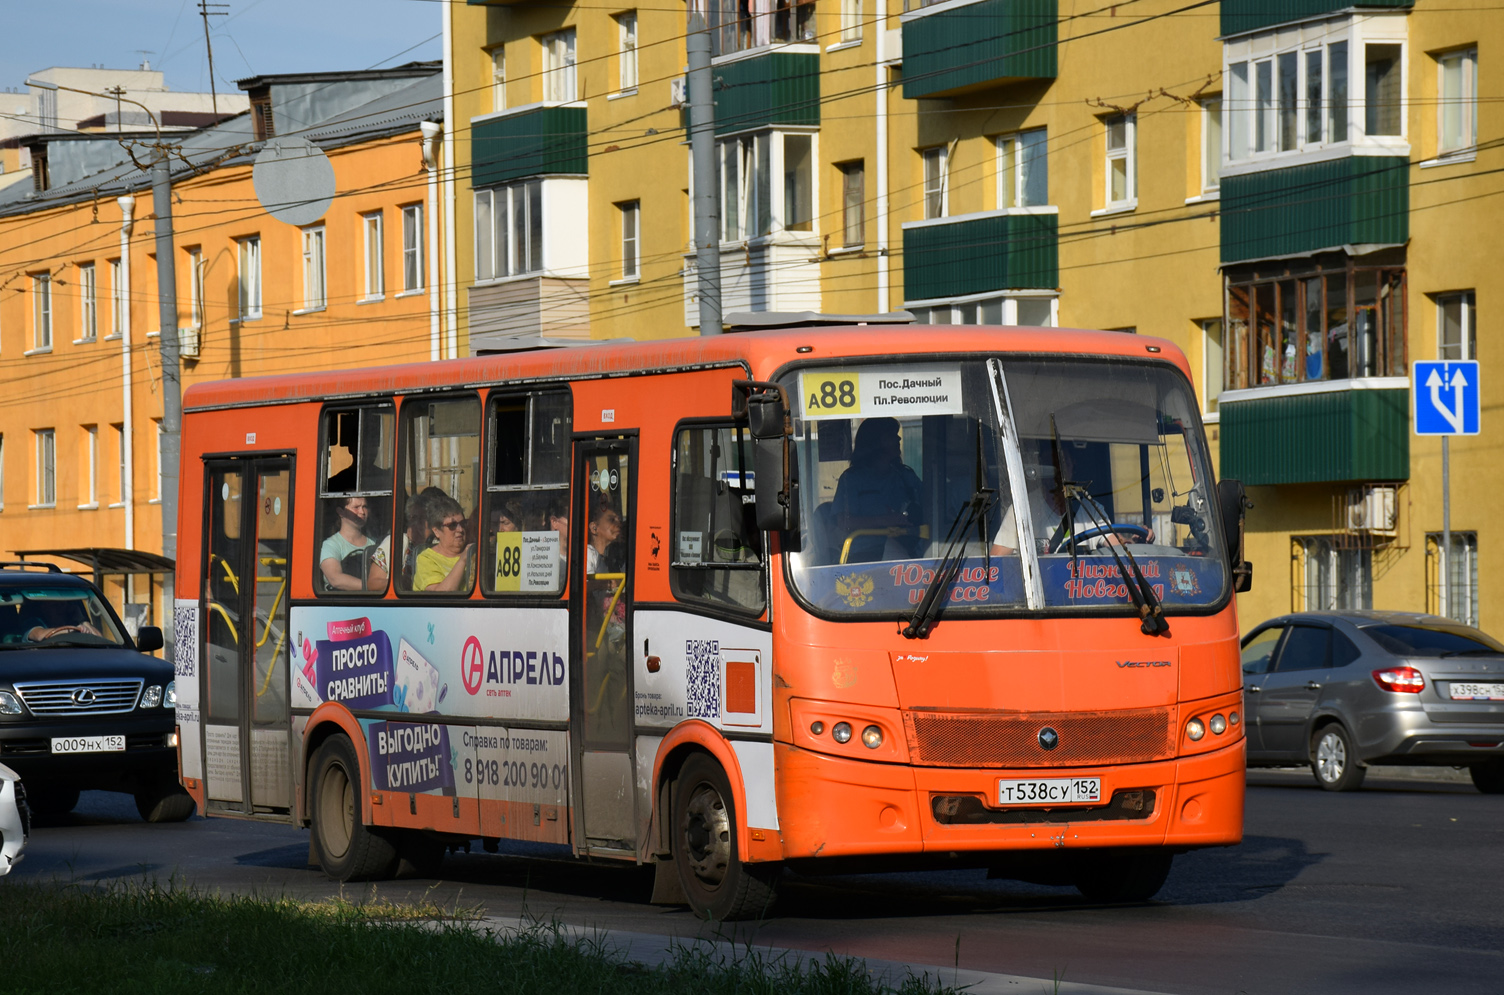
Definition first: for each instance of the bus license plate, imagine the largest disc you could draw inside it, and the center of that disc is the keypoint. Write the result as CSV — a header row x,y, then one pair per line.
x,y
1050,791
1477,692
88,744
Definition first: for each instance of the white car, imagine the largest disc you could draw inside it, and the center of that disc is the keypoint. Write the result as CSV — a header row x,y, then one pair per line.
x,y
15,819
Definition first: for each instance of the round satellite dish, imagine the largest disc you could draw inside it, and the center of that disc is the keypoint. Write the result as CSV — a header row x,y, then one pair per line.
x,y
294,180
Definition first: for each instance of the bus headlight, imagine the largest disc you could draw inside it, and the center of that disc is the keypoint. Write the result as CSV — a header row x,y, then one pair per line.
x,y
817,727
872,737
841,732
1218,724
152,696
1195,729
1234,718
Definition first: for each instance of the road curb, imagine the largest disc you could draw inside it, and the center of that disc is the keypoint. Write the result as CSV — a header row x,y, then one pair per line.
x,y
1444,775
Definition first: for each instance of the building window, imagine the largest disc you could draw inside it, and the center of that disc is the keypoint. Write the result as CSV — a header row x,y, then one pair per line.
x,y
1457,125
851,20
46,492
375,272
195,286
1211,145
798,183
1023,170
1211,364
2,472
935,163
558,66
498,79
1381,89
1325,318
41,312
853,204
91,467
117,298
119,433
1456,326
156,486
766,184
1035,312
314,295
1336,576
737,25
88,303
250,277
509,230
1122,172
626,51
630,233
1461,594
1275,103
412,247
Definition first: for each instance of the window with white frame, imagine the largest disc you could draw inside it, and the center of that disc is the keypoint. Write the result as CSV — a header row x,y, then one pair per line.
x,y
1122,169
118,430
41,311
1211,145
936,161
1457,87
1036,311
249,279
1023,176
1211,364
559,66
375,284
88,303
737,25
1382,88
117,298
46,473
1337,576
1290,100
626,51
195,286
631,233
766,184
1456,326
499,78
853,204
1459,599
851,20
314,293
509,230
90,468
156,487
412,248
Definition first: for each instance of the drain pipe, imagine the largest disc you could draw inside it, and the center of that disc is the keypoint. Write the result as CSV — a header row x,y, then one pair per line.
x,y
432,130
127,423
881,92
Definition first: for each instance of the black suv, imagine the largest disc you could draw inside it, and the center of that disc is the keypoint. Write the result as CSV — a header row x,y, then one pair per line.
x,y
81,705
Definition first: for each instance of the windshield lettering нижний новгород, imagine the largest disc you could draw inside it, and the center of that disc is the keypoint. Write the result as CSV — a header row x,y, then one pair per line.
x,y
1112,465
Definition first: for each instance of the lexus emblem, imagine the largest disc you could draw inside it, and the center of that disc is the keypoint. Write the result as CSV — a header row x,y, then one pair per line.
x,y
83,696
1048,738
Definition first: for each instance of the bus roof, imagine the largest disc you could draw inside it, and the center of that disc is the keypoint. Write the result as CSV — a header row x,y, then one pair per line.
x,y
761,352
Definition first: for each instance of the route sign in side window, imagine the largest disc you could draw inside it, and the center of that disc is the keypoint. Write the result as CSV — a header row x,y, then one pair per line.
x,y
1260,651
525,540
715,549
1307,648
354,533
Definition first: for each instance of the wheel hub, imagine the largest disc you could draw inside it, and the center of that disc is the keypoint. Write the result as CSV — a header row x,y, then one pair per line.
x,y
707,835
1331,757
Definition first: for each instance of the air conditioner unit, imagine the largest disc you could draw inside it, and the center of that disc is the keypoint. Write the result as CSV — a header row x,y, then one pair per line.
x,y
1373,508
188,342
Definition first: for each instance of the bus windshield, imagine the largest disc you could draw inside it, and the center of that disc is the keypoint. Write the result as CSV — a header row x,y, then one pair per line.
x,y
1054,482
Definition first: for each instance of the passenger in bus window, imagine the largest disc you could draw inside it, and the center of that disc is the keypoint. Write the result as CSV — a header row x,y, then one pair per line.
x,y
876,495
604,554
556,519
418,535
351,560
445,566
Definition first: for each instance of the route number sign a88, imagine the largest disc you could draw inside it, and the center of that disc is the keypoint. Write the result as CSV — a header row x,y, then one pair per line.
x,y
826,394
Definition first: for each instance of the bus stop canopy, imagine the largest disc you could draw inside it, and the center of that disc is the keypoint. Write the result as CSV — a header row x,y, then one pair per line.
x,y
103,560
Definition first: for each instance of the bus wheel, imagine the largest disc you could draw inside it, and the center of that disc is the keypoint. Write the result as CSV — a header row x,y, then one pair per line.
x,y
716,882
348,849
1129,875
164,800
422,854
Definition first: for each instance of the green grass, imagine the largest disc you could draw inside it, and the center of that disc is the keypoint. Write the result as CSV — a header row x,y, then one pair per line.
x,y
156,940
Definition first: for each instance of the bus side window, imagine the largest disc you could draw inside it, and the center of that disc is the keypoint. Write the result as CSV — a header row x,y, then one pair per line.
x,y
525,536
440,455
354,533
716,552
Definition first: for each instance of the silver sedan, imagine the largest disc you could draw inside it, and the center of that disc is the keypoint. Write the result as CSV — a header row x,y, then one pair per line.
x,y
15,820
1343,691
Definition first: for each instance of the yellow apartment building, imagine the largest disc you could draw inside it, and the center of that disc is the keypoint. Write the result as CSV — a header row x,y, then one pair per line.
x,y
354,283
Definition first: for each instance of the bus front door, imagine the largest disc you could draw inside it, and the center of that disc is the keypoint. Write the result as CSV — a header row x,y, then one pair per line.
x,y
244,607
601,682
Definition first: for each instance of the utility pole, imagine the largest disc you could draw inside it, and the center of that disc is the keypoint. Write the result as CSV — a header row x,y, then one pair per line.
x,y
206,13
702,153
117,92
172,387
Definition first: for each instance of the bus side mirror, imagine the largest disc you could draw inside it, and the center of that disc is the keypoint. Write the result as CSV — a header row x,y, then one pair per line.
x,y
1233,501
765,408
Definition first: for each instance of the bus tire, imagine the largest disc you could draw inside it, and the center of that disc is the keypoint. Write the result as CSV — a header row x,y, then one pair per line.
x,y
715,881
348,849
164,801
1130,875
421,854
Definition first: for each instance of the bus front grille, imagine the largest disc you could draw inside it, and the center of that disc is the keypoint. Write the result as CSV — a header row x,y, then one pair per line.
x,y
1015,739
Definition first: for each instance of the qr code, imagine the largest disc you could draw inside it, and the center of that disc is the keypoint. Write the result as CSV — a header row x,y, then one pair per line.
x,y
703,693
185,639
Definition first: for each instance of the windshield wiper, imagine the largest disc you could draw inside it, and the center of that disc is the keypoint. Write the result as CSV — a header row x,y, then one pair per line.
x,y
975,509
1152,621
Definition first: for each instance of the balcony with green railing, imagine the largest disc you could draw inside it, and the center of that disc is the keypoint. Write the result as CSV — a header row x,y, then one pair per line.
x,y
1013,249
1355,200
542,139
1327,432
1241,16
956,46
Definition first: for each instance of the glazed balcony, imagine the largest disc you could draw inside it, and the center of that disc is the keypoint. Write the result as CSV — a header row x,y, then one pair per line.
x,y
1011,249
956,46
535,140
1319,432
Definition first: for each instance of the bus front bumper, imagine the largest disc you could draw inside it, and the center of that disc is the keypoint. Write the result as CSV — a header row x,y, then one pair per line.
x,y
833,807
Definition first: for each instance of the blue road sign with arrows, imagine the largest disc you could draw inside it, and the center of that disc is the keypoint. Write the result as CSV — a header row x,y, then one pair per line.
x,y
1445,394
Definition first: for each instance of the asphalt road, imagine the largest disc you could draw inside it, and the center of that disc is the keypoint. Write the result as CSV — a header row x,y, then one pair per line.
x,y
1392,889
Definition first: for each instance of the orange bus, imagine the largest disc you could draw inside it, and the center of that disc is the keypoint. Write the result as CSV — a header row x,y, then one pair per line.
x,y
825,598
